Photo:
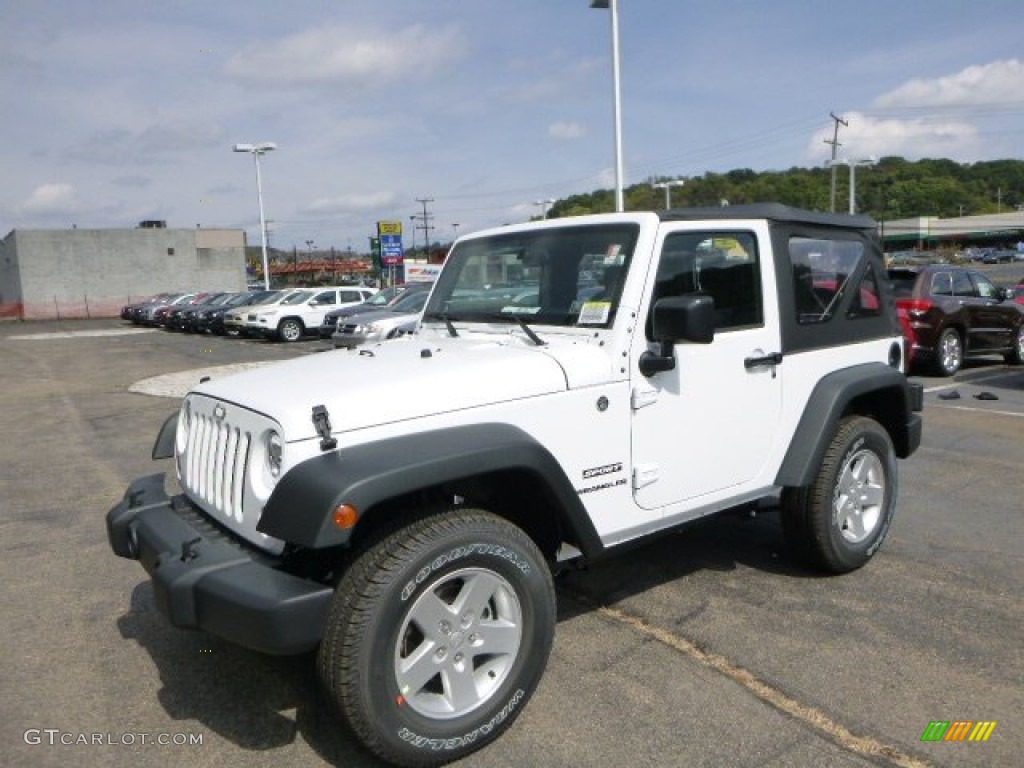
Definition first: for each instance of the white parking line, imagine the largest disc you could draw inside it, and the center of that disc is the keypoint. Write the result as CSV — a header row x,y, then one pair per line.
x,y
964,382
77,334
979,410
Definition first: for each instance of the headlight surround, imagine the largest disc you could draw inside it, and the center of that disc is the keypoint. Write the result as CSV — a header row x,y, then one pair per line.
x,y
275,453
266,462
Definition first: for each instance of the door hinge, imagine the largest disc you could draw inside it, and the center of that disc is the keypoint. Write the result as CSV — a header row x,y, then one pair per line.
x,y
644,475
643,396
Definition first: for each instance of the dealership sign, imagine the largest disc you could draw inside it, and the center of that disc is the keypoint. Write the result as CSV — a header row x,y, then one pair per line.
x,y
390,234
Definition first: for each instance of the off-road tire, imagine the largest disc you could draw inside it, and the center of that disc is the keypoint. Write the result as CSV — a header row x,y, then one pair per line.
x,y
290,329
839,521
461,591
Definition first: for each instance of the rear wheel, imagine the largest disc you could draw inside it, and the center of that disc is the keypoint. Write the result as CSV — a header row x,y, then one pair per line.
x,y
438,636
1016,355
839,521
949,352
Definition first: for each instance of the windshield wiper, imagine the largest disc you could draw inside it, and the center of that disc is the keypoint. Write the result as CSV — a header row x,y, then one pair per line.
x,y
522,324
447,321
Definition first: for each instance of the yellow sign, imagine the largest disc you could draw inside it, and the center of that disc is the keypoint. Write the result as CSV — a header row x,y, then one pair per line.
x,y
389,227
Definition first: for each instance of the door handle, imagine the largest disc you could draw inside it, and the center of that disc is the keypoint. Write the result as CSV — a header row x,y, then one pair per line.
x,y
773,359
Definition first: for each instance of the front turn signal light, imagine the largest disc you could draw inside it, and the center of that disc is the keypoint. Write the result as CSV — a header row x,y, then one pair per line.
x,y
345,516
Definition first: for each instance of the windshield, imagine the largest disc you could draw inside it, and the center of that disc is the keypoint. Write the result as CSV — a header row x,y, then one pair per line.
x,y
569,276
411,301
296,298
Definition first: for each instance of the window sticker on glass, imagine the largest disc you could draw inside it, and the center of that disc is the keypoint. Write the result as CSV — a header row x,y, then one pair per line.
x,y
594,313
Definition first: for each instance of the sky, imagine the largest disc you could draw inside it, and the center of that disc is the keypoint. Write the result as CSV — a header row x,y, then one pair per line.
x,y
117,111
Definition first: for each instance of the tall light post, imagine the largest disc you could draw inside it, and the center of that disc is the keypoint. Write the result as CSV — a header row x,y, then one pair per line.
x,y
853,174
256,150
544,204
667,186
613,6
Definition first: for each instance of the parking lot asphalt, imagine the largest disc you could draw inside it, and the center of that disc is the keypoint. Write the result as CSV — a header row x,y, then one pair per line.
x,y
705,647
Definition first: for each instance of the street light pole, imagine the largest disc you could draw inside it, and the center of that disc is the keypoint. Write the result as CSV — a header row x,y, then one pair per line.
x,y
613,6
256,150
853,175
667,186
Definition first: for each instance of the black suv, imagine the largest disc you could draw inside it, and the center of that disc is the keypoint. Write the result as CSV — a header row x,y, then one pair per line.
x,y
952,312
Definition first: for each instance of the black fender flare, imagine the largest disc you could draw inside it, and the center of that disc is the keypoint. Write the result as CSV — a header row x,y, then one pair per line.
x,y
300,509
827,404
163,447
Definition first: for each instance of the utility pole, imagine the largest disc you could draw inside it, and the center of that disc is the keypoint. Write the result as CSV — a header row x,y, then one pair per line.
x,y
835,148
426,226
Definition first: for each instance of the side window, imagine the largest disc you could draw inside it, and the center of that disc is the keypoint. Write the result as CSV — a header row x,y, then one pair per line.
x,y
985,287
723,265
866,301
822,269
942,284
348,296
962,285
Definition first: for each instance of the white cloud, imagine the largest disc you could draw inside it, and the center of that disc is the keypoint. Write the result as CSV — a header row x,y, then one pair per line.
x,y
562,130
916,138
979,84
51,198
335,54
353,202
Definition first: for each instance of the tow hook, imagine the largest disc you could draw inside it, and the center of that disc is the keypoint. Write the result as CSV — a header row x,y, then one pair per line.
x,y
188,549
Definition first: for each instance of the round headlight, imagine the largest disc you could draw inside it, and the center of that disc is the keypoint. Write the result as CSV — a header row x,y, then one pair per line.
x,y
275,453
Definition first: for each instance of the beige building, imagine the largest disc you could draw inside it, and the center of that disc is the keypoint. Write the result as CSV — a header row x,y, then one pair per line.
x,y
69,273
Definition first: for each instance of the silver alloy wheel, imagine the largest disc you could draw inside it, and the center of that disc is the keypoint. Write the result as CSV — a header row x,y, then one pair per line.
x,y
458,642
950,353
290,330
859,496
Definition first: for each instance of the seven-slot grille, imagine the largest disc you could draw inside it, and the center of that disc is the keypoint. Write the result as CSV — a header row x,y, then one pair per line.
x,y
216,456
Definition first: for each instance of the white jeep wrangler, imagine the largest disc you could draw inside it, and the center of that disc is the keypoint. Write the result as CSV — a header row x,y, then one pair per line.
x,y
583,382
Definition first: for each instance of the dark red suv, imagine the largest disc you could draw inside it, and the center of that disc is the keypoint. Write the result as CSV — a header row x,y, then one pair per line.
x,y
950,313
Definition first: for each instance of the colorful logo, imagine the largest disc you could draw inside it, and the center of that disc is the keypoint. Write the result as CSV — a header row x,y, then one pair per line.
x,y
958,730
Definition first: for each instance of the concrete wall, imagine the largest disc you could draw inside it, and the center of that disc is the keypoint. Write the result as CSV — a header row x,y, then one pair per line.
x,y
93,272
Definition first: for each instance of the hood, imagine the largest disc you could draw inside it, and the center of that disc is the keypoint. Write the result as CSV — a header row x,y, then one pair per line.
x,y
404,379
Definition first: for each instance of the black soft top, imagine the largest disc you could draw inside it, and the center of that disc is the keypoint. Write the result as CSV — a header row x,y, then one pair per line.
x,y
772,211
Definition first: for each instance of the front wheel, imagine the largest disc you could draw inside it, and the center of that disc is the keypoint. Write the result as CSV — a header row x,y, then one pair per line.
x,y
438,636
839,521
290,329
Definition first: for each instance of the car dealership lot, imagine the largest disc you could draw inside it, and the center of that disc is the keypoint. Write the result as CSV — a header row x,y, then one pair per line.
x,y
705,647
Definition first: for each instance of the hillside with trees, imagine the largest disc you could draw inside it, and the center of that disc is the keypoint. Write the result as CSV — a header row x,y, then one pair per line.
x,y
893,189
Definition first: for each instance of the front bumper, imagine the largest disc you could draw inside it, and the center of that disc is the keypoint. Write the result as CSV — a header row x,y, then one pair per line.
x,y
203,578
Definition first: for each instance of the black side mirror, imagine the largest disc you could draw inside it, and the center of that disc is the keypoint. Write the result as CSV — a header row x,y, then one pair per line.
x,y
678,318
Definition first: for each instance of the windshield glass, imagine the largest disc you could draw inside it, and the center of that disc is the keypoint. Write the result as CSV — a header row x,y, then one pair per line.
x,y
570,276
296,298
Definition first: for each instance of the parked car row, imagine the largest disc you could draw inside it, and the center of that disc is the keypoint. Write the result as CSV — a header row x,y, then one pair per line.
x,y
951,313
351,315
